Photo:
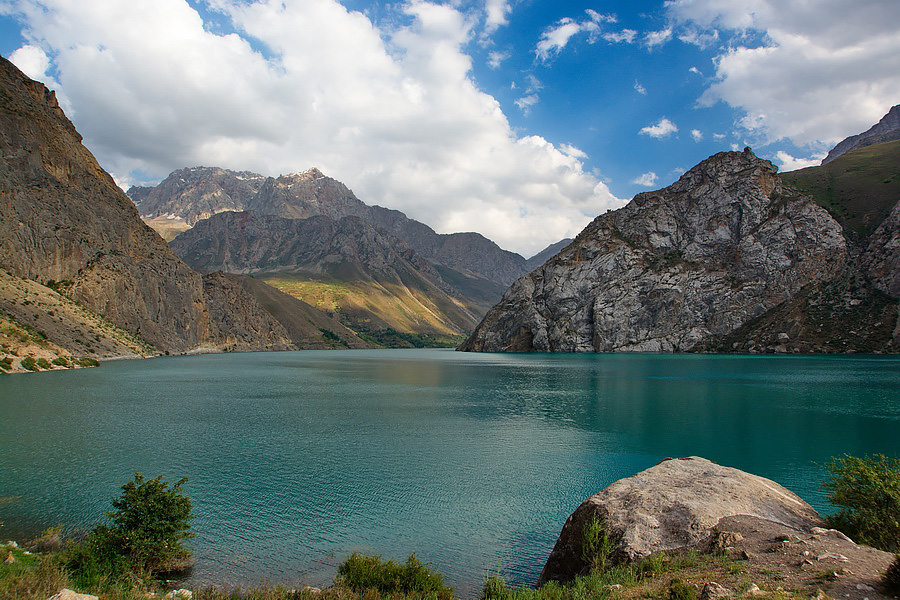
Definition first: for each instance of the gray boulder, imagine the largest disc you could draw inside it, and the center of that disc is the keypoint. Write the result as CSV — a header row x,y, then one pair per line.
x,y
674,504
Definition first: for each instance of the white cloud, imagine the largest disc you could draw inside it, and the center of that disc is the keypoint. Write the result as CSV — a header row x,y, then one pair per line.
x,y
617,37
557,36
646,180
663,128
31,60
811,72
496,13
695,71
697,135
495,59
574,152
719,136
786,162
640,89
657,38
394,114
526,102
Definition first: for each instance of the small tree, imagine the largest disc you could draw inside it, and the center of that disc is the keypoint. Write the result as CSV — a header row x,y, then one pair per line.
x,y
869,490
149,523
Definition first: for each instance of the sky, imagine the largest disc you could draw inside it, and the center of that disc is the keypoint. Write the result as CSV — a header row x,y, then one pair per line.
x,y
519,119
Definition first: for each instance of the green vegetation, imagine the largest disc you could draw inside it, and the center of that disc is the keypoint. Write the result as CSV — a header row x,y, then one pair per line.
x,y
891,579
679,590
868,489
332,337
28,363
597,545
43,363
391,338
412,579
859,188
6,363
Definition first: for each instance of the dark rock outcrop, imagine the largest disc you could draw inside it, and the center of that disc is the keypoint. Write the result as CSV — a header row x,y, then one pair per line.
x,y
675,504
886,130
547,253
675,269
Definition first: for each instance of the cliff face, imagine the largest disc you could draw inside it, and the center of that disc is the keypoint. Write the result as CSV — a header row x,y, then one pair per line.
x,y
63,218
675,269
405,291
886,130
198,193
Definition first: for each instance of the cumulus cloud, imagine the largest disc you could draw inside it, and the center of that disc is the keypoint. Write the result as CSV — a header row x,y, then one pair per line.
x,y
646,180
393,113
31,60
495,59
657,38
496,13
786,162
811,72
697,135
662,129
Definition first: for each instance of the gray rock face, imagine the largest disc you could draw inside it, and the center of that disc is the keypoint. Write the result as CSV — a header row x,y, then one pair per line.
x,y
671,505
886,130
201,192
672,269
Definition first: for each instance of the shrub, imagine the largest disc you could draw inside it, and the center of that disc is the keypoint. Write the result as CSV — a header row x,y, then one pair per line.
x,y
29,364
868,489
891,579
361,573
60,361
597,545
144,535
44,363
679,590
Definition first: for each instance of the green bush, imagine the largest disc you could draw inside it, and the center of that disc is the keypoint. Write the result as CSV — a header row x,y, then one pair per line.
x,y
413,578
597,545
868,489
891,579
679,590
30,364
144,535
60,361
44,363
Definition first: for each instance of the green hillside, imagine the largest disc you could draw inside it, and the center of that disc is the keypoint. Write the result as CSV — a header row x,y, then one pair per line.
x,y
859,188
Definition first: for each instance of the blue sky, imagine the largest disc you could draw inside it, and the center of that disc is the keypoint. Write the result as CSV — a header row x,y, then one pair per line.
x,y
520,119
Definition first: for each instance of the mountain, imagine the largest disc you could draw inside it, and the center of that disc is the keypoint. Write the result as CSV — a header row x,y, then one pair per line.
x,y
378,281
727,258
200,192
67,228
547,253
886,130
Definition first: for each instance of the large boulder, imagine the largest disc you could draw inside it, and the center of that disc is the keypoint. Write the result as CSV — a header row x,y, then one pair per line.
x,y
674,504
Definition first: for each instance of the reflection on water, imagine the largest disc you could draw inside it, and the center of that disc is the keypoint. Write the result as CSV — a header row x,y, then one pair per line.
x,y
473,461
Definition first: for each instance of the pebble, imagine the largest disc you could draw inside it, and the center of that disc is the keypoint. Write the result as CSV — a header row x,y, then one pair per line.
x,y
864,588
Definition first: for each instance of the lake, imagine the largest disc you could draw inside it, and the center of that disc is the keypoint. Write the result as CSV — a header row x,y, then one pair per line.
x,y
472,461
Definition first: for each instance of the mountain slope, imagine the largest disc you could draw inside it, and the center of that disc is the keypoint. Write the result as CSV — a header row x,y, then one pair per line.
x,y
886,130
197,193
686,267
547,253
858,188
386,283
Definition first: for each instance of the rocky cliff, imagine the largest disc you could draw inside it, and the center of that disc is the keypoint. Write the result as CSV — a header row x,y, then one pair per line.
x,y
886,130
404,291
200,192
63,218
683,268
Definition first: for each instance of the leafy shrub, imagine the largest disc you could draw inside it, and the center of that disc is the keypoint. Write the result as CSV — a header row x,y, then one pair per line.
x,y
891,579
29,364
60,361
87,362
144,535
361,573
44,363
6,363
869,490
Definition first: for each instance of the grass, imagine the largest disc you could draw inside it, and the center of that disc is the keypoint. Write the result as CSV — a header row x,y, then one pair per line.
x,y
859,188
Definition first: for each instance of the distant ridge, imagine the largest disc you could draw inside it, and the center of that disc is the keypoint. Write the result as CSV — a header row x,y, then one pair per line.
x,y
886,130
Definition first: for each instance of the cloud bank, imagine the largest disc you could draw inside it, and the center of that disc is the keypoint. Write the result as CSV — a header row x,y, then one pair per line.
x,y
293,84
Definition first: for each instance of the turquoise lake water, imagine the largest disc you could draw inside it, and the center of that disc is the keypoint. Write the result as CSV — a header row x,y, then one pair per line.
x,y
473,461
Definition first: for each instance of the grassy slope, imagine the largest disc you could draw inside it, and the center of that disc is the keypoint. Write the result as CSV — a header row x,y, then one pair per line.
x,y
369,307
39,321
859,188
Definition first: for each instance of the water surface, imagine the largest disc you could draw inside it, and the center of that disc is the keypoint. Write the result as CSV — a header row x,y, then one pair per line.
x,y
473,461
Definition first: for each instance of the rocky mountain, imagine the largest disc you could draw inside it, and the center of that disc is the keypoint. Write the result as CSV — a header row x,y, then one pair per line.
x,y
65,223
382,282
886,130
200,192
727,258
